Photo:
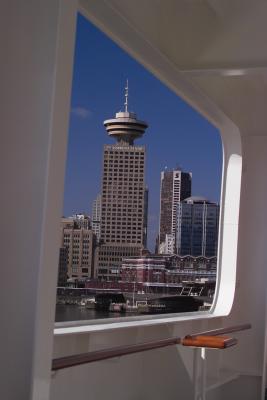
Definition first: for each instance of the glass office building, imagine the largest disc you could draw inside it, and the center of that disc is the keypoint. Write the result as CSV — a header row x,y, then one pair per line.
x,y
197,227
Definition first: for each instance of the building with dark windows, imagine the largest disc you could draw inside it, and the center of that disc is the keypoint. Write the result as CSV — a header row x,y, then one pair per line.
x,y
124,196
150,273
79,246
165,274
175,186
197,227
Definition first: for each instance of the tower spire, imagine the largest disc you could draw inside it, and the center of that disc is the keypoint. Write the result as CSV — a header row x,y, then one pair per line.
x,y
126,96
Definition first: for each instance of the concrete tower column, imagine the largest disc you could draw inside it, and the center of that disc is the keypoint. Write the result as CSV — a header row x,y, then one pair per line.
x,y
36,74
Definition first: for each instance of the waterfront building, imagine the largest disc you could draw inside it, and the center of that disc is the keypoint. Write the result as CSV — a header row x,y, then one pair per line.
x,y
144,269
197,227
175,186
124,197
79,244
96,217
164,273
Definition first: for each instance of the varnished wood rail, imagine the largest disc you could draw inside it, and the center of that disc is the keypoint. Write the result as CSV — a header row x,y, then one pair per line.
x,y
209,339
215,338
212,342
99,355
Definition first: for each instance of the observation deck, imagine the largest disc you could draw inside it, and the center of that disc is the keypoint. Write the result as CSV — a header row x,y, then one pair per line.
x,y
125,127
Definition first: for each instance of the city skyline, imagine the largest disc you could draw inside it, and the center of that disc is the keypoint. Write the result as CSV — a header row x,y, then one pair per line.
x,y
177,136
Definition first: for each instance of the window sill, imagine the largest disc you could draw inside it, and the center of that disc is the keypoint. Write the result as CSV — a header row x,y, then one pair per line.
x,y
74,327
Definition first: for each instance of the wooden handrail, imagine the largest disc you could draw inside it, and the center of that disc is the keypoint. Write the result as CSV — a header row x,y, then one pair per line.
x,y
203,339
99,355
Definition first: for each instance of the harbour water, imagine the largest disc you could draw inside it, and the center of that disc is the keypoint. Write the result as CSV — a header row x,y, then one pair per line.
x,y
78,313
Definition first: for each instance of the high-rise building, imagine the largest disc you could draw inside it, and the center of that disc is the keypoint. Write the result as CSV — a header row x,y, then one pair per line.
x,y
197,227
96,217
175,186
79,246
124,199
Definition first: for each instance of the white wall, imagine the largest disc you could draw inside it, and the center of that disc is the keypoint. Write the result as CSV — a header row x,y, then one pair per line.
x,y
36,72
250,298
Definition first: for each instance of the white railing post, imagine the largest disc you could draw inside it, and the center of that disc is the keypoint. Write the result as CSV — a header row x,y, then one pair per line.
x,y
200,373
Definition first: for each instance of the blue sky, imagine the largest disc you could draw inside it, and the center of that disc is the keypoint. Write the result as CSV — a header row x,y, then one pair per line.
x,y
177,134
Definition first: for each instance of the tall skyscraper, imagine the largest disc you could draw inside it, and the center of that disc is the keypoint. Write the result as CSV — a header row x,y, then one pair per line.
x,y
124,200
175,186
197,227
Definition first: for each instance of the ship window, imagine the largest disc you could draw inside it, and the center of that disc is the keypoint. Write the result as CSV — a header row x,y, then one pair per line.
x,y
189,230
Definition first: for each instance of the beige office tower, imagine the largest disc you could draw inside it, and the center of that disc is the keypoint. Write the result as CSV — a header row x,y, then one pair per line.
x,y
123,208
79,247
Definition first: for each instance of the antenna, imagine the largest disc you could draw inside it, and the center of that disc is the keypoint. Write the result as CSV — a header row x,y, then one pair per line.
x,y
126,96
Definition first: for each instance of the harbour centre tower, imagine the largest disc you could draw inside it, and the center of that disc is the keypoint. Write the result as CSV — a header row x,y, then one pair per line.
x,y
124,195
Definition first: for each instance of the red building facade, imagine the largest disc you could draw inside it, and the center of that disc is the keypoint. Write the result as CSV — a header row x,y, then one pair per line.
x,y
156,273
